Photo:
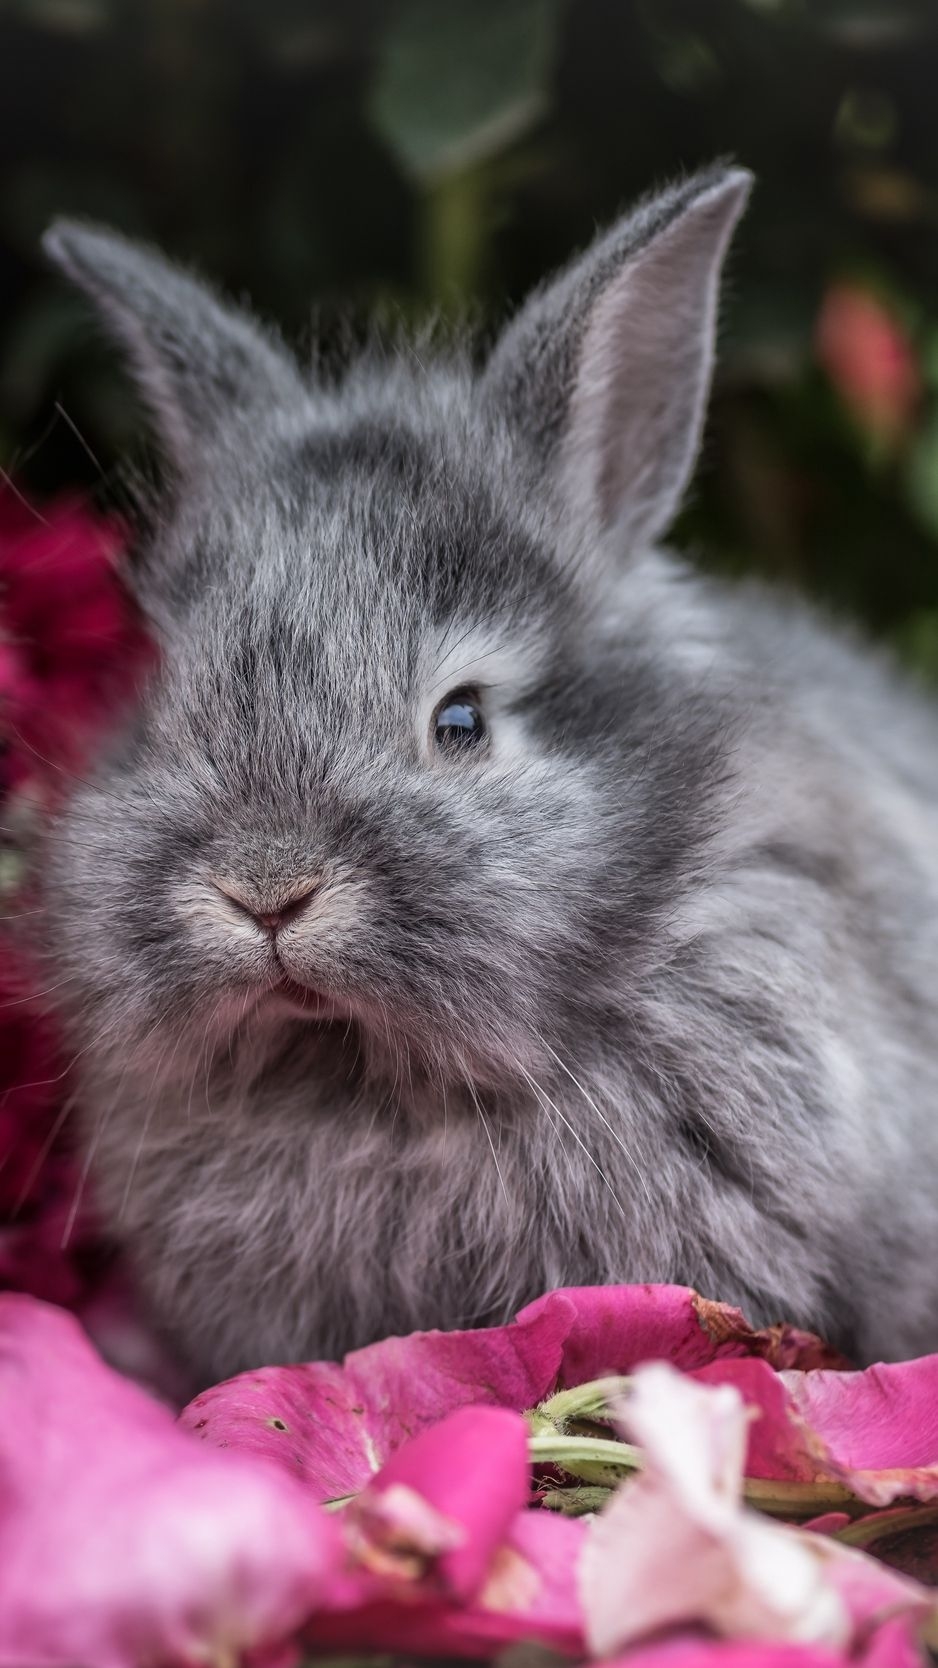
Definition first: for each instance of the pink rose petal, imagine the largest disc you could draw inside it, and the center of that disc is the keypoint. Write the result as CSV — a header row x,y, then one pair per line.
x,y
123,1542
472,1470
441,1556
336,1426
776,1447
876,1432
891,1646
615,1328
530,1594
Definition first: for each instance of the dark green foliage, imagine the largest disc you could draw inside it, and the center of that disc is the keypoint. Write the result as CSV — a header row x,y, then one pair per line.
x,y
328,158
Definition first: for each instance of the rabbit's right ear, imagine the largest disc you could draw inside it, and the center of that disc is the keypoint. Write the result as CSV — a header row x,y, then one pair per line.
x,y
200,364
604,373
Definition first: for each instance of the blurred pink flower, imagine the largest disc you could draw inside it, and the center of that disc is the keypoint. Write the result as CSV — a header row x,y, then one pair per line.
x,y
468,1473
867,354
122,1542
71,640
71,646
529,1595
891,1646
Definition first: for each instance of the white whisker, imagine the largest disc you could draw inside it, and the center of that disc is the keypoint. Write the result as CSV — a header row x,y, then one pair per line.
x,y
488,1133
600,1115
545,1099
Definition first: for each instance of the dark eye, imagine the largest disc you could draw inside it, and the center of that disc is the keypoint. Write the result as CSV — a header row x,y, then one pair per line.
x,y
459,722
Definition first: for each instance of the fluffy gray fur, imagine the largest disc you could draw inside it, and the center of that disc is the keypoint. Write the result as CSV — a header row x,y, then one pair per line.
x,y
643,988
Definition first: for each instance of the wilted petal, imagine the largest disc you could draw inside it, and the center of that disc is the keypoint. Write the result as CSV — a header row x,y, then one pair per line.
x,y
335,1427
776,1446
122,1542
877,1431
615,1328
396,1535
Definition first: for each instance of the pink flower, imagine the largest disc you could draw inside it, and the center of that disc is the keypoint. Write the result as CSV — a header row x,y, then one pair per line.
x,y
71,640
529,1595
868,357
71,646
676,1546
336,1426
123,1542
451,1494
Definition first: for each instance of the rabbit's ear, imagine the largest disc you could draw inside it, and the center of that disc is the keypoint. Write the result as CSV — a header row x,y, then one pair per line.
x,y
605,371
199,363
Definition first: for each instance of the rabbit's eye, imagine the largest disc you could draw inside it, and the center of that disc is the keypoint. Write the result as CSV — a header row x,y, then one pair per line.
x,y
458,722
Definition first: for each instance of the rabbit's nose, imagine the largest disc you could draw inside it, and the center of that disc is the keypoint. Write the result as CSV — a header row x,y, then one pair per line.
x,y
271,919
277,918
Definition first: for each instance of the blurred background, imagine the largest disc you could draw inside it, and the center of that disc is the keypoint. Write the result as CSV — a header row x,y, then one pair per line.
x,y
334,157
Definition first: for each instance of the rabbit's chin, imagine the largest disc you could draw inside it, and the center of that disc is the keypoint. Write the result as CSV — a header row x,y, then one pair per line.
x,y
303,999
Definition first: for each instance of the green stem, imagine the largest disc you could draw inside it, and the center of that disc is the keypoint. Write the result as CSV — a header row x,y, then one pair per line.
x,y
876,1527
600,1460
781,1499
575,1502
587,1401
453,235
594,1459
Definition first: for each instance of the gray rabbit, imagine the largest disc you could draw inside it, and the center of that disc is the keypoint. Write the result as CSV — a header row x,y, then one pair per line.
x,y
478,900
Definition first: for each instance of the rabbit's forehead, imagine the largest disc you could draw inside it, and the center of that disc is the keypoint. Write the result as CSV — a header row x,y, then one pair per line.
x,y
436,512
349,647
378,580
366,581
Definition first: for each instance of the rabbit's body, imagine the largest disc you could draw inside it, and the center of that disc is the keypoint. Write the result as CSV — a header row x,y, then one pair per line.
x,y
635,983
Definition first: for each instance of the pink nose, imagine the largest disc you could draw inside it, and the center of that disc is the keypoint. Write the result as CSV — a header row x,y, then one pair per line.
x,y
271,919
276,918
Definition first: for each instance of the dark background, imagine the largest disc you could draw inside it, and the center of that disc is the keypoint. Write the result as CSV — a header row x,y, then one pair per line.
x,y
332,158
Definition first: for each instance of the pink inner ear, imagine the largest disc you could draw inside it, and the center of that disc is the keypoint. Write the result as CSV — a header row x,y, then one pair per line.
x,y
637,407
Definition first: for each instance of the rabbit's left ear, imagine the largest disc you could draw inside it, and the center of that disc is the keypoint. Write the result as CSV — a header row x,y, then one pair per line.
x,y
201,365
605,371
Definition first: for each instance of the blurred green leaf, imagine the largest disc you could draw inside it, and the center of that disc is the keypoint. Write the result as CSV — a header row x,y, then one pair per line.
x,y
458,83
928,358
917,642
922,474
